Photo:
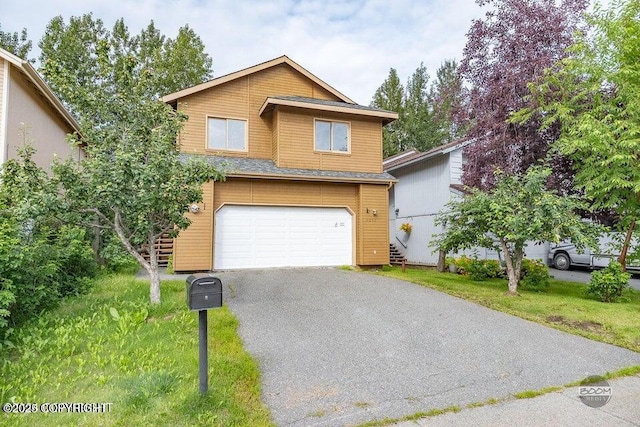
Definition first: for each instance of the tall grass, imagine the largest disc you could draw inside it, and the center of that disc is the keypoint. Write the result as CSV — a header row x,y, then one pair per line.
x,y
110,346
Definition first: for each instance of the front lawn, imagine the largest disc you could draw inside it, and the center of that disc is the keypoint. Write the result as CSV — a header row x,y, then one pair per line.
x,y
110,346
563,306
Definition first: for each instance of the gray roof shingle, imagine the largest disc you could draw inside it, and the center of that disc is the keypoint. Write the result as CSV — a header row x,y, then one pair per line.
x,y
244,166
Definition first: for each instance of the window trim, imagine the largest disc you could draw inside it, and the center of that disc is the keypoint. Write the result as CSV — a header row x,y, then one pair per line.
x,y
330,150
231,150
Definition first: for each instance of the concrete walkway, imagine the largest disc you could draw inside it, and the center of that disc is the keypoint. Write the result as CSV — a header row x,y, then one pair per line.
x,y
554,409
339,348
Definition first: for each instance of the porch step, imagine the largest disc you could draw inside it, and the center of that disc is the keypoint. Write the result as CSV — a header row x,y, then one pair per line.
x,y
395,256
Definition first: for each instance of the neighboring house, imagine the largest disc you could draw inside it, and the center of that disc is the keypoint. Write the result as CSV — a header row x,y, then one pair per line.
x,y
426,183
31,113
304,181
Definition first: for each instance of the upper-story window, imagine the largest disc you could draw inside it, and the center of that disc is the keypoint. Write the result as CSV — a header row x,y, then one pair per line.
x,y
227,134
332,136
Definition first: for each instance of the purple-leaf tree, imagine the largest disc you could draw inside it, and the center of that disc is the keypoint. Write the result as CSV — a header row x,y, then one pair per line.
x,y
512,46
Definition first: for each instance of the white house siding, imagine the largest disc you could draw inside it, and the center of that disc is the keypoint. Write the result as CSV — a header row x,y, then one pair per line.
x,y
423,189
455,162
421,192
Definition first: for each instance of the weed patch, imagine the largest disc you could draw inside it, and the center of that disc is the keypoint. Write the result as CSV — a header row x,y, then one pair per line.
x,y
111,346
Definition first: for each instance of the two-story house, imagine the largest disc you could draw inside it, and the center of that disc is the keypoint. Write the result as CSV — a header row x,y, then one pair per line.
x,y
304,181
31,113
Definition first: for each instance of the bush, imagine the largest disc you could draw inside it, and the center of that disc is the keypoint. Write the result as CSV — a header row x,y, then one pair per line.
x,y
40,267
608,284
462,264
534,275
479,269
115,256
41,258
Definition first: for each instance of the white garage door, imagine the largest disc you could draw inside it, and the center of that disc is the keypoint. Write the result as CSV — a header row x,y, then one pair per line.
x,y
281,236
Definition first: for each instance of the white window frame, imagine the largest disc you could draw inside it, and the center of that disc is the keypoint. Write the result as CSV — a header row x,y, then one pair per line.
x,y
226,147
331,150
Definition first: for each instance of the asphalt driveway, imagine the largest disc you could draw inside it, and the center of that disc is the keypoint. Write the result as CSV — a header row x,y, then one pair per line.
x,y
338,347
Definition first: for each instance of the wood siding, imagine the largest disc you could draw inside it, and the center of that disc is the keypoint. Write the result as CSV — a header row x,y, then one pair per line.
x,y
421,192
242,99
296,142
455,166
284,135
194,249
373,234
3,125
274,137
31,119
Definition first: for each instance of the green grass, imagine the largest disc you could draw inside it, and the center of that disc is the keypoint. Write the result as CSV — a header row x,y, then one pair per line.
x,y
111,346
563,306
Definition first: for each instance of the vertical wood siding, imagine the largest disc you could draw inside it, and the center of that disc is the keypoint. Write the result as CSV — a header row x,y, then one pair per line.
x,y
193,248
242,99
274,136
373,237
296,141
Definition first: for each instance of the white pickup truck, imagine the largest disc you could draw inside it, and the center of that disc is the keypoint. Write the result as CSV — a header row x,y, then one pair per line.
x,y
564,256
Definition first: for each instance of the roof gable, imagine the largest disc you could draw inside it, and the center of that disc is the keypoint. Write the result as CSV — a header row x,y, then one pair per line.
x,y
254,69
410,157
40,86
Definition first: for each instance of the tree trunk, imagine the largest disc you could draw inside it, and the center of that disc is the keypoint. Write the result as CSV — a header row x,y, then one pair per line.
x,y
514,266
97,241
441,260
154,287
154,275
622,259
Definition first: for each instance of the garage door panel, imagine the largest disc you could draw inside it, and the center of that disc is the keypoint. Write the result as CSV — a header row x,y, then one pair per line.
x,y
268,236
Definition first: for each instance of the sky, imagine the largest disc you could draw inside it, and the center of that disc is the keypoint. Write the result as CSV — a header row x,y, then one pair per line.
x,y
349,44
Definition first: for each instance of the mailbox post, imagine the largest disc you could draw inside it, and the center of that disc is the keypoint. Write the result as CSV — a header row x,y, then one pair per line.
x,y
203,292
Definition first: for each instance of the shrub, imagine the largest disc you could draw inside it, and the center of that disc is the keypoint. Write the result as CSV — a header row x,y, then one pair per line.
x,y
75,259
462,264
482,269
479,269
41,258
608,284
115,256
534,275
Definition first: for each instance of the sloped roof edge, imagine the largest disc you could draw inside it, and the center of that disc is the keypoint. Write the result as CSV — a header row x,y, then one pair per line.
x,y
254,69
394,162
28,70
323,105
